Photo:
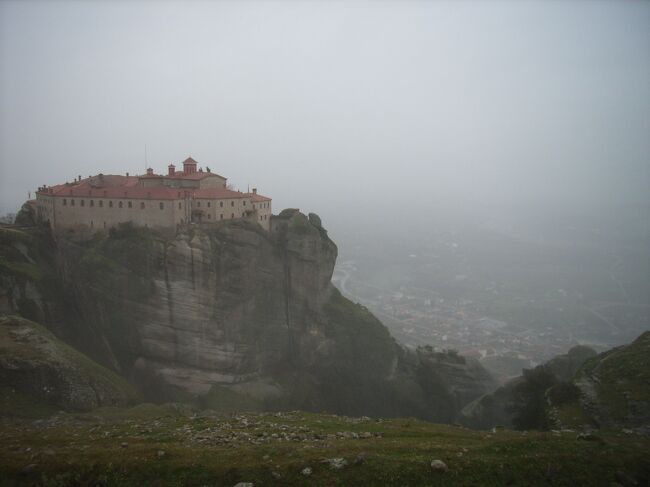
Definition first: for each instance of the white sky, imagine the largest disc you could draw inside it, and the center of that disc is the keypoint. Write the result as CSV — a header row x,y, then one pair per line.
x,y
328,106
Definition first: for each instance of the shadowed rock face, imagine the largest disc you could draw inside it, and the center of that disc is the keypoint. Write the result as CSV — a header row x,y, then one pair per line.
x,y
228,312
226,304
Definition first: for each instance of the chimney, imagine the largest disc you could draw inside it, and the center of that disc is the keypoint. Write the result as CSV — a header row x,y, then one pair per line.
x,y
149,171
171,170
254,190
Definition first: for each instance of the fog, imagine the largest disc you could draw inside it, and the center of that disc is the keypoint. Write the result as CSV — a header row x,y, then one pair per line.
x,y
343,108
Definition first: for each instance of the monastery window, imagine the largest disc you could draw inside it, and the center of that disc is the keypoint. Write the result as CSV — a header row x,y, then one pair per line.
x,y
209,216
260,217
198,204
232,215
110,204
208,204
221,217
179,205
83,202
142,205
119,204
162,205
92,203
130,204
101,203
244,202
232,203
221,204
253,205
65,202
71,202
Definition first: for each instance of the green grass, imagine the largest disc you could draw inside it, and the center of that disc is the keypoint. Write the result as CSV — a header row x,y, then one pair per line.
x,y
86,450
623,375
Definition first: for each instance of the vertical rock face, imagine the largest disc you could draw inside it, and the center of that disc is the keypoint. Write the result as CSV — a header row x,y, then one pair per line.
x,y
226,304
231,311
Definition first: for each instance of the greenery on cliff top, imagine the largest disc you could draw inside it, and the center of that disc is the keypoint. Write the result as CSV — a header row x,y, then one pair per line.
x,y
167,446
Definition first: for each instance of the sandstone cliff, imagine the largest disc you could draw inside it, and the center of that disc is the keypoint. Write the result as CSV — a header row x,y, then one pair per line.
x,y
226,314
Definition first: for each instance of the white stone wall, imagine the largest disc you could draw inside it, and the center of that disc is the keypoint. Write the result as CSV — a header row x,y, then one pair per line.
x,y
104,213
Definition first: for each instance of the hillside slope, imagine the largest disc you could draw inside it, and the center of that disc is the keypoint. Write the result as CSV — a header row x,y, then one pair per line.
x,y
38,371
581,389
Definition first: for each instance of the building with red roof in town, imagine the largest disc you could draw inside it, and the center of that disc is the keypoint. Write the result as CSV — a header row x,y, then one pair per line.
x,y
152,200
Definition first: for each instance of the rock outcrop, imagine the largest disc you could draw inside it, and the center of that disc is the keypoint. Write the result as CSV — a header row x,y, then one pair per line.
x,y
34,363
229,313
581,389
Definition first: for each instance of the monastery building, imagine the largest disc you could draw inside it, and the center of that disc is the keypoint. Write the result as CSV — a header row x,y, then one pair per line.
x,y
151,200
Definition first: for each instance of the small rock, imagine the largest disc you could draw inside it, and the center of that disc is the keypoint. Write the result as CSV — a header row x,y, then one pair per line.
x,y
27,469
438,466
361,458
306,471
124,445
161,453
276,475
336,463
588,437
244,484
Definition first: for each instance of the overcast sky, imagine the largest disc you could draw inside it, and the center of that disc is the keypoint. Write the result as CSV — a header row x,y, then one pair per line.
x,y
330,106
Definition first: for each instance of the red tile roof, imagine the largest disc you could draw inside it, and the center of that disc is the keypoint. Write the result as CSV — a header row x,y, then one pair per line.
x,y
193,175
115,186
256,197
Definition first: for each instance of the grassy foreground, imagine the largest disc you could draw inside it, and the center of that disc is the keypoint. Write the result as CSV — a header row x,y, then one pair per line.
x,y
169,446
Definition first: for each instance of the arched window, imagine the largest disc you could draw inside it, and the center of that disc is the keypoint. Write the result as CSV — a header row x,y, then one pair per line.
x,y
65,202
221,204
92,202
130,204
119,204
232,215
244,202
101,204
161,205
198,204
232,203
142,205
110,204
83,202
179,205
221,217
71,202
208,204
